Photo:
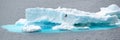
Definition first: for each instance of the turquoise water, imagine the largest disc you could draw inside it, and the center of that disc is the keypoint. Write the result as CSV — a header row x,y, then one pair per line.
x,y
16,28
46,27
12,28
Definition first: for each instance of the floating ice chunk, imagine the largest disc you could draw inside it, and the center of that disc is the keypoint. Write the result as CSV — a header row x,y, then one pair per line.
x,y
21,22
68,17
31,28
63,26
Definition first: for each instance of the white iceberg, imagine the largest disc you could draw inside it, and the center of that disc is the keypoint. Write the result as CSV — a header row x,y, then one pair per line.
x,y
67,17
31,28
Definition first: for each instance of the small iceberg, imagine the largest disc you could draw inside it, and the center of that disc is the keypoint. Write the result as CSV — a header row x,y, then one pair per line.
x,y
31,28
63,19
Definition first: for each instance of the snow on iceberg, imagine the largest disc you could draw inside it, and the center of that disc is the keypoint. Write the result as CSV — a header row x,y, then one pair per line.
x,y
68,18
31,28
21,22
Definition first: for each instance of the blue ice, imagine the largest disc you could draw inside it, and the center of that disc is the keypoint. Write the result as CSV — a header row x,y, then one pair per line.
x,y
66,19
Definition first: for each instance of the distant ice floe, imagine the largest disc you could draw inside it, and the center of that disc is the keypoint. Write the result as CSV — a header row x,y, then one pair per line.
x,y
67,17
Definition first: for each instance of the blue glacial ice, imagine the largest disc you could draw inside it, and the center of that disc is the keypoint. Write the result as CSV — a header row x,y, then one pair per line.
x,y
63,19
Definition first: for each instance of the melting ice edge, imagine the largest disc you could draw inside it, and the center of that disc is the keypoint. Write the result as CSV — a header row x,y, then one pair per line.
x,y
66,19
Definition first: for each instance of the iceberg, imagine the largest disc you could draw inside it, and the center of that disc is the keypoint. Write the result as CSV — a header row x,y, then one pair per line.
x,y
68,19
